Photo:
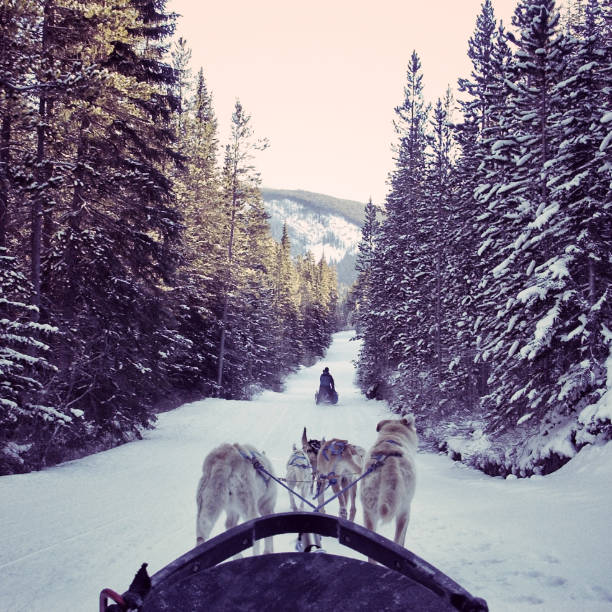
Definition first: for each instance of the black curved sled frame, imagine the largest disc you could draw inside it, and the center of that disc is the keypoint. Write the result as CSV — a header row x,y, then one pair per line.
x,y
351,535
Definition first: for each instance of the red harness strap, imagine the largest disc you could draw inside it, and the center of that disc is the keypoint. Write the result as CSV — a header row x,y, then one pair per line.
x,y
107,594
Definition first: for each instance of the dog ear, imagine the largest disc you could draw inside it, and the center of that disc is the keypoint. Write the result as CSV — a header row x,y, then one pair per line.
x,y
408,421
380,424
304,438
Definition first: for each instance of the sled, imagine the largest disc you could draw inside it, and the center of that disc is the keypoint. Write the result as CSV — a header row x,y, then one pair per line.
x,y
325,398
204,579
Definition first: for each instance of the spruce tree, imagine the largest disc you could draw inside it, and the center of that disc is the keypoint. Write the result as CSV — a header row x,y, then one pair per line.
x,y
240,184
395,318
478,103
576,228
25,415
519,314
365,258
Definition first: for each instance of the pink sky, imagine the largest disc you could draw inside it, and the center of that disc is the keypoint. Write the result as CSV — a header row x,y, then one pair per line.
x,y
321,79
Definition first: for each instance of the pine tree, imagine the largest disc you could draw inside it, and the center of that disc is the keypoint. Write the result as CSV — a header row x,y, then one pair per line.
x,y
441,278
24,367
240,184
489,55
574,279
394,321
195,298
520,202
365,258
116,223
286,304
181,56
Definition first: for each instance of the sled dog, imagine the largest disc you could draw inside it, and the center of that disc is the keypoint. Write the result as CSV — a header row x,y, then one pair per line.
x,y
230,482
388,491
299,476
338,465
311,448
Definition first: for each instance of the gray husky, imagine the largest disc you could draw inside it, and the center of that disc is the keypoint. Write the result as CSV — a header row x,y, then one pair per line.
x,y
230,482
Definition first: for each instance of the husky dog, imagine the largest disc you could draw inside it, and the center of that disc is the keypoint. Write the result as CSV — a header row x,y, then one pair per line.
x,y
338,465
388,491
230,482
299,476
311,448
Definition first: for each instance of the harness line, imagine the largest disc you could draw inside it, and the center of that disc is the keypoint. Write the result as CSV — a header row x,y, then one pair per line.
x,y
380,460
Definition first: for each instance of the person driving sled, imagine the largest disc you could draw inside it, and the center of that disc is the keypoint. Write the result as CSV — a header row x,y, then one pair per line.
x,y
326,385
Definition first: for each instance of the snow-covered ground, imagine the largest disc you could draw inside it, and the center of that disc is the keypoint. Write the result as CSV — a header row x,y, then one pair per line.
x,y
541,543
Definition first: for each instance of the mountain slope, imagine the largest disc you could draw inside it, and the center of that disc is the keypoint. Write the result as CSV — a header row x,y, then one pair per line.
x,y
326,226
351,210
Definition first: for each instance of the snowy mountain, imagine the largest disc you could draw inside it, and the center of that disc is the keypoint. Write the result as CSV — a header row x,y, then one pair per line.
x,y
318,223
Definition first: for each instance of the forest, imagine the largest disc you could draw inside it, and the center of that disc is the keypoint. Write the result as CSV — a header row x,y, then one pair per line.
x,y
483,297
137,270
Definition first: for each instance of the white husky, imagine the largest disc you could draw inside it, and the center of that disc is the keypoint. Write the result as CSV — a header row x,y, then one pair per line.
x,y
230,482
299,476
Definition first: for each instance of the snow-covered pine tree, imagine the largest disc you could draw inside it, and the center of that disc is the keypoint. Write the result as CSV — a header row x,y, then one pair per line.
x,y
195,294
576,276
18,35
326,300
181,57
24,368
436,250
360,297
478,104
113,247
287,305
395,317
240,183
306,269
519,316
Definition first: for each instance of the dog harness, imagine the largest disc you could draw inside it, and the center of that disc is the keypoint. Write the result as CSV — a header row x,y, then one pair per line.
x,y
254,459
383,456
299,459
335,448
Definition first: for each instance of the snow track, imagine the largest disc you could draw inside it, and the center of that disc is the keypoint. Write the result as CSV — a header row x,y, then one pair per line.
x,y
533,544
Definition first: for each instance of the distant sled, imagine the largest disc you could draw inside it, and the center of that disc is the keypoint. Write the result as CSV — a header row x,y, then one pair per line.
x,y
202,579
326,398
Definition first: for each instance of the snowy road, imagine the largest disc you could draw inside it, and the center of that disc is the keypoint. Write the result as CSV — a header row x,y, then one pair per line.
x,y
535,544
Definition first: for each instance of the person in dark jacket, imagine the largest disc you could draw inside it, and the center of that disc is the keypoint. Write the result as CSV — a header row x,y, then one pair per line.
x,y
327,387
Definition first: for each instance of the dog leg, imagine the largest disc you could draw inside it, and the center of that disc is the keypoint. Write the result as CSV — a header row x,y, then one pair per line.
x,y
231,520
353,495
321,495
370,524
203,529
291,485
401,525
341,499
266,506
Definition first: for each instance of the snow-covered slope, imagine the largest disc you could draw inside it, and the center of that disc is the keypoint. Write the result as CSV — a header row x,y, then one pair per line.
x,y
538,544
315,224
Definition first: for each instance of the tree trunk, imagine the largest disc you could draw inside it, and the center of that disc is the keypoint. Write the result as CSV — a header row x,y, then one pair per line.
x,y
40,170
229,270
37,206
5,161
74,222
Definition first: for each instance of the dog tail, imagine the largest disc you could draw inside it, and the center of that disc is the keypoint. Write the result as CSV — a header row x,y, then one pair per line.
x,y
212,495
388,498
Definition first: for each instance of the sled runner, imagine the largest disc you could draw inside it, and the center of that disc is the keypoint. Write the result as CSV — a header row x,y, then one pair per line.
x,y
199,580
